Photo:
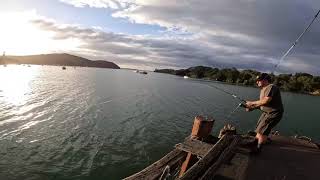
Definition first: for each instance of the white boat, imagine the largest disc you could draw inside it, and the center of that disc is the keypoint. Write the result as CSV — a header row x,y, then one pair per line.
x,y
186,77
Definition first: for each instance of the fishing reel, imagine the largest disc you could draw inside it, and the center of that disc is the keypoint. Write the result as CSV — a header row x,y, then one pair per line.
x,y
243,104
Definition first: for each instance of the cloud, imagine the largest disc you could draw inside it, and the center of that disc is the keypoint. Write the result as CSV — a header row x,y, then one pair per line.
x,y
112,4
244,33
150,52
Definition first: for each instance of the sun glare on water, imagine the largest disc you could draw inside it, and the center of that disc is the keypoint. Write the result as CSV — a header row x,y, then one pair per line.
x,y
15,81
19,35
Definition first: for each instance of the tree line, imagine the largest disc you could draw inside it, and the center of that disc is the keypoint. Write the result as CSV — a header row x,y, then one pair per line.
x,y
299,82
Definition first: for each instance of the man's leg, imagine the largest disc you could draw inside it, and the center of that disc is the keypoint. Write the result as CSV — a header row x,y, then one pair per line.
x,y
265,124
262,131
261,128
262,139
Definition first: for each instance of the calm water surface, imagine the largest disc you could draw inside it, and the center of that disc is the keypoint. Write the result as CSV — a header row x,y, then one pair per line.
x,y
88,123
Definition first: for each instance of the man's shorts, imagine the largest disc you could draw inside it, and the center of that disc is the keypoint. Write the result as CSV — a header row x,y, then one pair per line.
x,y
267,121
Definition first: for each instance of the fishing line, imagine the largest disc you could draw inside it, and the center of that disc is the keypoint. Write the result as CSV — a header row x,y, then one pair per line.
x,y
241,104
221,90
227,92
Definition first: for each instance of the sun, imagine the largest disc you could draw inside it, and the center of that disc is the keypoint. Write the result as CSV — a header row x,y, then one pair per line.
x,y
19,36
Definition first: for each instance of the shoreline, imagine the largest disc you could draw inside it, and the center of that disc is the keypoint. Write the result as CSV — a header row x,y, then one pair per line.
x,y
316,93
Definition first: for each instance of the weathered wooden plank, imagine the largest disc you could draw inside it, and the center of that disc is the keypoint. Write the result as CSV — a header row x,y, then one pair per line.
x,y
201,130
293,141
245,144
155,170
195,147
227,153
234,169
247,140
284,158
197,169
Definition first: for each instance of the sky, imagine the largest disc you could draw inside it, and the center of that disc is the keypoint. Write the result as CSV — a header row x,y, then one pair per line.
x,y
149,34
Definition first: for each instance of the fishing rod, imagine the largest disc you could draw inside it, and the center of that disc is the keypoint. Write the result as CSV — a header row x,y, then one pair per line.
x,y
295,42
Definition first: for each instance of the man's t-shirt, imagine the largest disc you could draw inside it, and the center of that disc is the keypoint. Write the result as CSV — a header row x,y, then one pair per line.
x,y
276,103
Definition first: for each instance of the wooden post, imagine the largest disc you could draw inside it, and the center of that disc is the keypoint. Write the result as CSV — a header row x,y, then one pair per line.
x,y
201,129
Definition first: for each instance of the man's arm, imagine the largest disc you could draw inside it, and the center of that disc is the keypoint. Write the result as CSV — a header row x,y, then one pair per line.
x,y
256,104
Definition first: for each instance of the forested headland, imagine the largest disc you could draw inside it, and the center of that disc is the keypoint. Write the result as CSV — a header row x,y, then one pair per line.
x,y
299,82
57,60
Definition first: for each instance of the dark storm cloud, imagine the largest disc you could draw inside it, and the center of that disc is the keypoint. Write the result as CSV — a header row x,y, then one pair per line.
x,y
229,33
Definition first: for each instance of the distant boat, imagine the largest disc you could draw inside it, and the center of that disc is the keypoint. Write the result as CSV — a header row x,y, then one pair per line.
x,y
143,72
64,68
186,77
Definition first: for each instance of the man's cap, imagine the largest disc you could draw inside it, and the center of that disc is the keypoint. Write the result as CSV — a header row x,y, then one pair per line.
x,y
263,76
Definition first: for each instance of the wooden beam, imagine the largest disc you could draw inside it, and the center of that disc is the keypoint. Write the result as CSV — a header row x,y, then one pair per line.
x,y
154,171
226,154
197,169
195,147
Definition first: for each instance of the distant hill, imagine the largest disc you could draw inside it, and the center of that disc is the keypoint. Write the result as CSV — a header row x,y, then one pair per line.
x,y
57,59
7,60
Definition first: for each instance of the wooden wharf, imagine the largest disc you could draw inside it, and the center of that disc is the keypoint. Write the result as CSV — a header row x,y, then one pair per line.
x,y
230,157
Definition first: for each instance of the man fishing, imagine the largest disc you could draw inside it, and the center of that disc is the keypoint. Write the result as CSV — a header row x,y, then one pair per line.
x,y
271,105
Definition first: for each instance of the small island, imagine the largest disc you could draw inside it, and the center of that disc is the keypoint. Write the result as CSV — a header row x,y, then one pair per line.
x,y
299,82
57,60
